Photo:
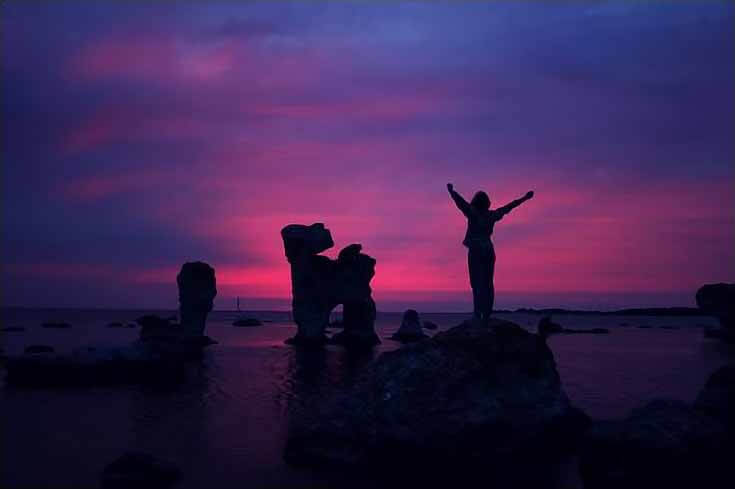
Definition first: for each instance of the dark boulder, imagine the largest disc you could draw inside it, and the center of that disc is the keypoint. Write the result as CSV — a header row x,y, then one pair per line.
x,y
39,349
410,329
139,470
55,325
471,396
718,300
717,398
666,443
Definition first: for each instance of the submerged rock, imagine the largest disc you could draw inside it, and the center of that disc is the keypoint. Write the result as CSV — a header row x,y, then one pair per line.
x,y
39,349
115,324
56,325
666,443
470,396
410,329
247,322
12,329
319,284
139,470
94,366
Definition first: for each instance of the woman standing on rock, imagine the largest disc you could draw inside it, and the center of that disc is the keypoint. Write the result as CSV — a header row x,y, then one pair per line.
x,y
481,254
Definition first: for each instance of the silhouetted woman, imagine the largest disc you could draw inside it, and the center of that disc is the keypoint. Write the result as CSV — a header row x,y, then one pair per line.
x,y
481,254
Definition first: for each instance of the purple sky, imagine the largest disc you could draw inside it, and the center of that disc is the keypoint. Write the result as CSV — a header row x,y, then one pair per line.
x,y
138,135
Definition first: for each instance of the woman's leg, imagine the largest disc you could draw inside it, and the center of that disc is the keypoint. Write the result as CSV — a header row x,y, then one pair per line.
x,y
479,265
473,267
491,277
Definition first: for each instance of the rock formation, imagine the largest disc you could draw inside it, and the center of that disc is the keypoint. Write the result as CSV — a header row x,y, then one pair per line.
x,y
158,356
197,289
410,329
666,443
719,300
470,396
319,284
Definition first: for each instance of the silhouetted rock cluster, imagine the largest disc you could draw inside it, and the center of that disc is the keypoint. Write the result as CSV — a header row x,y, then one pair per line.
x,y
666,443
319,284
157,356
470,396
410,329
719,300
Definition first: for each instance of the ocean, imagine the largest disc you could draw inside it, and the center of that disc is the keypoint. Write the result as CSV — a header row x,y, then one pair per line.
x,y
226,426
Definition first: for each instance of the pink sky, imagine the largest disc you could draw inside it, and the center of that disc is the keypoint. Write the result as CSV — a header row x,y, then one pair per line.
x,y
135,146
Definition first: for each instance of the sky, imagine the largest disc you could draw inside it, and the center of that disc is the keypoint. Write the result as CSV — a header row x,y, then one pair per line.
x,y
137,136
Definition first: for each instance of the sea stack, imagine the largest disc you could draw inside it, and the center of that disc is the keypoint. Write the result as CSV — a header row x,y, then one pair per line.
x,y
319,284
197,290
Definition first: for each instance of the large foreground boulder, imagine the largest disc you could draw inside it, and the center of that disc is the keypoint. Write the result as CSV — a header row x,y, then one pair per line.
x,y
471,396
665,443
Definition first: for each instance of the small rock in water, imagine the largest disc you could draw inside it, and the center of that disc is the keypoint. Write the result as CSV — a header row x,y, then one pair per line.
x,y
247,322
131,325
12,329
58,325
546,327
39,349
430,325
115,325
139,470
410,329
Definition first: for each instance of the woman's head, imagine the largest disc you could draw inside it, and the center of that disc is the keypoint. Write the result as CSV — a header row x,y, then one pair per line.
x,y
480,201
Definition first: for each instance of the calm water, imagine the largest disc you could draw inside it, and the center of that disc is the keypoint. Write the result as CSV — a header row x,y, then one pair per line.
x,y
227,425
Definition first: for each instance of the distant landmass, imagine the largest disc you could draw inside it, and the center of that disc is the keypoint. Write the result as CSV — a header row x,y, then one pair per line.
x,y
645,311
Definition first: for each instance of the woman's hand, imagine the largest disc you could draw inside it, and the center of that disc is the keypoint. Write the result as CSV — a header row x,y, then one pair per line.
x,y
450,187
529,195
